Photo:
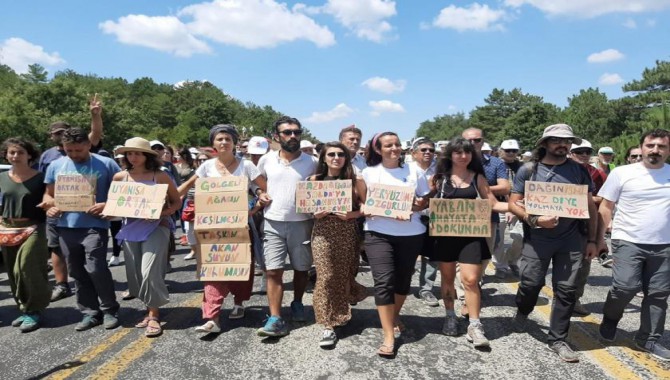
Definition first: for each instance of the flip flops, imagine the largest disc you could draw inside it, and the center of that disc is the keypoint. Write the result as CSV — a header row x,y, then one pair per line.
x,y
386,351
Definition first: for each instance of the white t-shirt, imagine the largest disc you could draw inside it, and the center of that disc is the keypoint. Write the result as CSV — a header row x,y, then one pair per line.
x,y
405,176
245,168
282,179
642,197
428,173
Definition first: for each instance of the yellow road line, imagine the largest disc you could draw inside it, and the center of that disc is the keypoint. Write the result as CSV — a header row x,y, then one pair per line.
x,y
71,367
126,355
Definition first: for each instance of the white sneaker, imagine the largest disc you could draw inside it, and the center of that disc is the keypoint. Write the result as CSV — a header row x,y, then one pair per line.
x,y
208,328
237,312
190,256
114,261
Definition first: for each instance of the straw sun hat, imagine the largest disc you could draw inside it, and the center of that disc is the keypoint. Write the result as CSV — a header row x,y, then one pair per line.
x,y
136,144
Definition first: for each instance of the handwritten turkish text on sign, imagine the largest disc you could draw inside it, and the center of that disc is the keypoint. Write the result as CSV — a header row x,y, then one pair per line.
x,y
74,192
460,217
135,200
557,199
389,201
317,196
217,236
224,272
227,253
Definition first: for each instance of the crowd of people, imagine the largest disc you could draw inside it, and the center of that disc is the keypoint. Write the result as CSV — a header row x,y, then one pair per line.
x,y
34,229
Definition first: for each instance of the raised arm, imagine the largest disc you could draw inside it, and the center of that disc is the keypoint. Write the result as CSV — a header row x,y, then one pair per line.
x,y
95,106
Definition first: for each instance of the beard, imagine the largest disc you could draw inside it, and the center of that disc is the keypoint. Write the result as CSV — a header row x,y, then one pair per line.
x,y
291,146
654,158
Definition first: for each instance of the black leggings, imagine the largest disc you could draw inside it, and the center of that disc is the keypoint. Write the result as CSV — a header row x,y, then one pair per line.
x,y
392,260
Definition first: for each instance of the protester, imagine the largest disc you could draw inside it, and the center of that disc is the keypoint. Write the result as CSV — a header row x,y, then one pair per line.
x,y
423,152
605,157
640,241
145,242
509,151
258,146
460,175
392,246
335,247
166,157
287,233
550,240
83,236
351,137
23,232
188,213
307,147
115,223
224,138
633,155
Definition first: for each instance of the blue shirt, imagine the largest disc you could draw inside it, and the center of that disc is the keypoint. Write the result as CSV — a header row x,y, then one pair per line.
x,y
50,155
103,168
494,169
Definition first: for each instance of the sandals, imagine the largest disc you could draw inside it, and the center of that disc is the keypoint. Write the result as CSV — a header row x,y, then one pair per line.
x,y
153,329
386,351
143,323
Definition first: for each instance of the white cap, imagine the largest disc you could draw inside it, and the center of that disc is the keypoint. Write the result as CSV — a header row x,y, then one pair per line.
x,y
606,150
258,145
509,144
306,144
193,150
527,154
486,147
585,144
152,143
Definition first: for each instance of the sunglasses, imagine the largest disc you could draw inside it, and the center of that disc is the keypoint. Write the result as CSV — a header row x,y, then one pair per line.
x,y
427,150
336,154
476,141
289,132
511,150
559,140
581,152
635,156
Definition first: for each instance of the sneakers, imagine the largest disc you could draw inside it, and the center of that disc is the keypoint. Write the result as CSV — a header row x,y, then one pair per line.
x,y
274,327
450,327
210,327
298,311
520,322
607,330
605,260
501,274
18,321
429,299
564,351
60,291
110,321
31,322
580,310
237,312
190,256
88,322
475,335
114,261
514,269
639,294
328,338
655,349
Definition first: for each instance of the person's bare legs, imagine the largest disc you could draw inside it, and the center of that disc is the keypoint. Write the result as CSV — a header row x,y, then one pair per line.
x,y
275,290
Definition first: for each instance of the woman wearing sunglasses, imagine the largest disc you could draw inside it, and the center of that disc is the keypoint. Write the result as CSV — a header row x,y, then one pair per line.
x,y
335,247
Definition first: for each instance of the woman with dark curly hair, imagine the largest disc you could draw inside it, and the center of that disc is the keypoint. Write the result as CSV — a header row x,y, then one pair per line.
x,y
23,232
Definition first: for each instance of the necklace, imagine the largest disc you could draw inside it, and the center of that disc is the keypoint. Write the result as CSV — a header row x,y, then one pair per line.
x,y
459,185
224,166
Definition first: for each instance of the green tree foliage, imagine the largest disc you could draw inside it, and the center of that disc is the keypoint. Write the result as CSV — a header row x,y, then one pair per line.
x,y
592,116
177,115
443,127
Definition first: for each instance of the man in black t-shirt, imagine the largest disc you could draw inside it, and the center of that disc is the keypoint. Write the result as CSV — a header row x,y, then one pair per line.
x,y
560,242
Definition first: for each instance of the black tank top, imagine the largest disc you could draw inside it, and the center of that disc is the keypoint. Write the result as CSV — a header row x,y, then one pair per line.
x,y
447,191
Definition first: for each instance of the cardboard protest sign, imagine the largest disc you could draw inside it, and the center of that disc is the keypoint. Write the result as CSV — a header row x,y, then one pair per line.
x,y
223,272
460,217
227,253
219,236
221,184
222,201
226,219
74,192
389,201
135,200
317,196
557,199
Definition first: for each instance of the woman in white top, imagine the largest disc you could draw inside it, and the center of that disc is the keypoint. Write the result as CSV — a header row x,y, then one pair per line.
x,y
223,138
392,245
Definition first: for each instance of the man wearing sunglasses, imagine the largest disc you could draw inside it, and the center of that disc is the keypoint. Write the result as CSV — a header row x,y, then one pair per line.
x,y
509,153
287,233
633,155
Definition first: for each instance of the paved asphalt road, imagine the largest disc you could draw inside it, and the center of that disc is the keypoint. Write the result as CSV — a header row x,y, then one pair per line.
x,y
57,351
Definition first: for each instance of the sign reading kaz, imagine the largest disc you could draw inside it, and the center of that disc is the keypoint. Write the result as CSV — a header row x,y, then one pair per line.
x,y
460,217
74,192
135,200
317,196
389,201
557,199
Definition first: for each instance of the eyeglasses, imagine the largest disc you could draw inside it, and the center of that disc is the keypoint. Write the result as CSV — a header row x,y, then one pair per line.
x,y
336,154
636,156
581,152
560,140
289,132
427,150
511,150
476,141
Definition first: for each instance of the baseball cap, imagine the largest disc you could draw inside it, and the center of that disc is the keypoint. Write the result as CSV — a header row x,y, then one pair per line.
x,y
509,144
153,143
59,126
584,145
527,154
559,130
486,147
606,150
306,144
258,145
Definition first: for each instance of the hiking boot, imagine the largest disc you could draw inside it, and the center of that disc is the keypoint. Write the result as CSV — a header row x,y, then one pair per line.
x,y
274,327
607,330
328,338
60,291
429,299
520,322
580,310
298,311
655,349
31,322
110,321
450,327
88,322
475,335
564,351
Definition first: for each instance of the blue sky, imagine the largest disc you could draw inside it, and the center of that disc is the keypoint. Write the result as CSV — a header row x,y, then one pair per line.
x,y
383,65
